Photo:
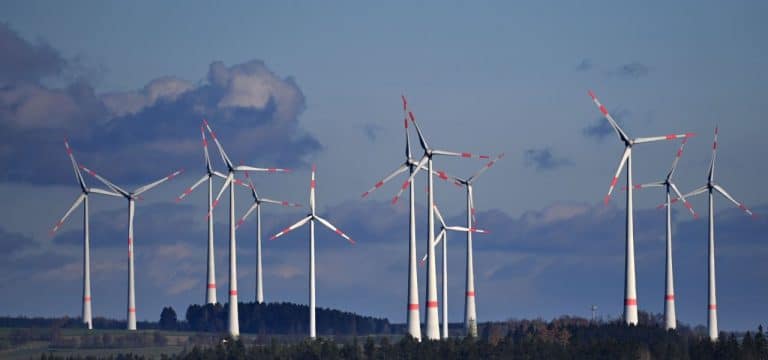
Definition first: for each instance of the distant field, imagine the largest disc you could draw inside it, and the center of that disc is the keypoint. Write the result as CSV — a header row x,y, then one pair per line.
x,y
26,343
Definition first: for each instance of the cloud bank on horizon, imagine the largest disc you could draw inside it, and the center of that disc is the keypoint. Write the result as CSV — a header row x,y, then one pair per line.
x,y
525,267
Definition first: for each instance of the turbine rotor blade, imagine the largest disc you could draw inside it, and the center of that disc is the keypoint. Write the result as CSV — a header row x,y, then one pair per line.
x,y
622,135
222,153
405,126
728,196
685,202
312,185
245,216
66,215
103,192
615,180
192,188
645,186
677,159
695,192
410,179
437,241
150,186
334,229
643,140
106,182
422,140
227,183
459,154
711,172
292,227
208,165
466,229
75,167
279,202
439,216
253,168
402,168
485,168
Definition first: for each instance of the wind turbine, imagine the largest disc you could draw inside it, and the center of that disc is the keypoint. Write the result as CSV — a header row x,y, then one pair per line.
x,y
630,289
470,314
414,322
257,201
233,321
311,218
711,187
131,197
83,198
432,327
210,292
443,237
670,319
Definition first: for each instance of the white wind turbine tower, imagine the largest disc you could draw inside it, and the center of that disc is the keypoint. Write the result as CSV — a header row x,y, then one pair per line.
x,y
311,218
711,187
443,237
257,201
630,289
233,320
131,197
210,290
83,198
432,326
470,313
413,318
670,319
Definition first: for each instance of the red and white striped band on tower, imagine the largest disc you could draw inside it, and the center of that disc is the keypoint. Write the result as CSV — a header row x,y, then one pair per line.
x,y
86,298
413,307
212,286
712,306
131,310
470,293
432,304
669,297
630,302
233,292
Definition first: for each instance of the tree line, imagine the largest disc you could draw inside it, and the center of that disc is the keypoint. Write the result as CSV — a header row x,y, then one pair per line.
x,y
280,318
555,340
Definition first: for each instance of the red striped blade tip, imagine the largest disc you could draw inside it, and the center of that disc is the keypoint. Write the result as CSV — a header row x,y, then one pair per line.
x,y
591,94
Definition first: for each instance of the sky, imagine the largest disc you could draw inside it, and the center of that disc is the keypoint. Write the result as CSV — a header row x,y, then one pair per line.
x,y
290,84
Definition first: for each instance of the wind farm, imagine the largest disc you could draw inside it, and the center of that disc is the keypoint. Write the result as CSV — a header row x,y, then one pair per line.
x,y
451,168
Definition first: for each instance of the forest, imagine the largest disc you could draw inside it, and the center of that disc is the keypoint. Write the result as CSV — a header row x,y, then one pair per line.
x,y
277,330
524,340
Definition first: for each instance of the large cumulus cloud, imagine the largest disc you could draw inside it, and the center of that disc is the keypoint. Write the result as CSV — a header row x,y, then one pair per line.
x,y
136,136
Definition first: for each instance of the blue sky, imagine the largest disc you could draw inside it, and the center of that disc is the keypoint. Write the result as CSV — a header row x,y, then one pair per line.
x,y
293,83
